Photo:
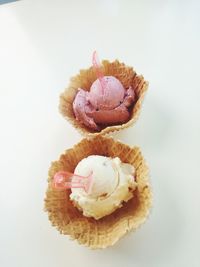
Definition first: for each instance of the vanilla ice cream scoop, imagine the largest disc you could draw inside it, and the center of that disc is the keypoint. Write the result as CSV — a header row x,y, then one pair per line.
x,y
112,183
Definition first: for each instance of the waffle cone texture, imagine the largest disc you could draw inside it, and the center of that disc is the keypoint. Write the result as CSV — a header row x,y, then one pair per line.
x,y
109,229
84,80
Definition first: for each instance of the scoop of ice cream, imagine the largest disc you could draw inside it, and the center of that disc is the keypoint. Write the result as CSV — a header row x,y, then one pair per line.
x,y
112,183
103,105
80,107
116,115
109,97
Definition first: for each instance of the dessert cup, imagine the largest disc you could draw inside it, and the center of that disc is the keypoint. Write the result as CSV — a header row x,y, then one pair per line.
x,y
109,229
84,80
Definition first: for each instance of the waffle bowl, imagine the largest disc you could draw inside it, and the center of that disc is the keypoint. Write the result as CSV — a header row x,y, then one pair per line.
x,y
109,229
84,80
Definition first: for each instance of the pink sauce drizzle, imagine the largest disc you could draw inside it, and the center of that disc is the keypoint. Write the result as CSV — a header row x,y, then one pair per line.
x,y
66,180
97,66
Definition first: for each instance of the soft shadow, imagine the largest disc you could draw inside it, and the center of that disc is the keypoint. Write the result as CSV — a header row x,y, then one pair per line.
x,y
155,241
153,128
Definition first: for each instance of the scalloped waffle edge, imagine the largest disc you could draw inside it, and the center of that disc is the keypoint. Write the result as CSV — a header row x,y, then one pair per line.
x,y
84,80
109,229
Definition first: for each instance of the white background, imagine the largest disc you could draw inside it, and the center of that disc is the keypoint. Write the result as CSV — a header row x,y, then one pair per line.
x,y
42,44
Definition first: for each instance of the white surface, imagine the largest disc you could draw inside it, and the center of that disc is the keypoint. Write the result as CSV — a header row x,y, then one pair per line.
x,y
42,44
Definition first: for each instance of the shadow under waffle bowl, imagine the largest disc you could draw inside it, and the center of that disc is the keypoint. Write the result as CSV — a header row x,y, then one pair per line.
x,y
84,80
109,229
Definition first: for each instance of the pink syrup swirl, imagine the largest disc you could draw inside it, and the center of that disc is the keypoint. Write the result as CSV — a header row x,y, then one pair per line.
x,y
97,66
66,180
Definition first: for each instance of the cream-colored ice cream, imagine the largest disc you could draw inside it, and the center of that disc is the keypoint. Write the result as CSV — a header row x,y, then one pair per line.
x,y
112,183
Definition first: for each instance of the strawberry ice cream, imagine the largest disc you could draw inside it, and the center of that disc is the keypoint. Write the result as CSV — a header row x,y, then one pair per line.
x,y
103,105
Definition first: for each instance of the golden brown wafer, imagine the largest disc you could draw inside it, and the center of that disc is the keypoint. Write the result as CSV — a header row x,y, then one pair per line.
x,y
84,80
109,229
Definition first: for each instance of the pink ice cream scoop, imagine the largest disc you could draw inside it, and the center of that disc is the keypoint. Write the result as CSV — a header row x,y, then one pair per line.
x,y
111,97
107,107
106,103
